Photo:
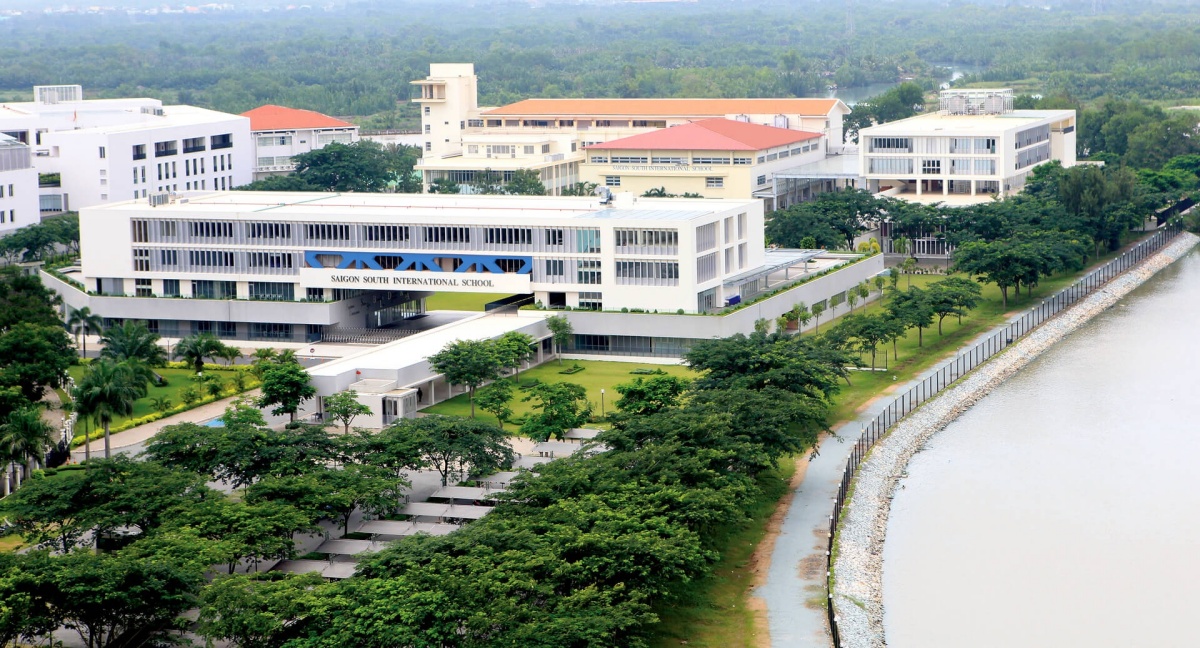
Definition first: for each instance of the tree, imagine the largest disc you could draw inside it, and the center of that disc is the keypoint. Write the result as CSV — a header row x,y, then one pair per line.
x,y
817,309
344,407
289,182
132,340
50,512
953,296
912,307
123,492
195,348
286,386
652,395
802,365
557,407
263,358
23,299
834,219
525,182
870,331
84,321
514,348
361,166
579,189
239,531
24,437
494,399
229,354
908,266
447,444
108,390
852,298
444,186
333,493
561,333
34,357
800,313
467,362
254,611
488,182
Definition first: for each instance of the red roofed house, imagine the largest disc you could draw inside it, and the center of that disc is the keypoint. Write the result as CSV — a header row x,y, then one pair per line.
x,y
280,133
713,158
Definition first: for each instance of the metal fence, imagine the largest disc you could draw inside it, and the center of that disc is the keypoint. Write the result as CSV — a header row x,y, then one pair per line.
x,y
967,360
366,335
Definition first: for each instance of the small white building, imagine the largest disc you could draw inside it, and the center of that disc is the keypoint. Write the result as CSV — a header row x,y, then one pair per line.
x,y
975,147
18,186
109,150
281,133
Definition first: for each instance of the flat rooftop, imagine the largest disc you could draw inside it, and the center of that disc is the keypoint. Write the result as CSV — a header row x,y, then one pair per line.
x,y
279,205
938,123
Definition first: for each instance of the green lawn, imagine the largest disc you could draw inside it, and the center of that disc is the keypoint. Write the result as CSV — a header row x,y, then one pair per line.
x,y
11,543
177,380
462,301
594,377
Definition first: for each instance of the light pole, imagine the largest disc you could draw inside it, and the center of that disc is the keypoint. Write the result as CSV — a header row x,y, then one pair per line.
x,y
602,402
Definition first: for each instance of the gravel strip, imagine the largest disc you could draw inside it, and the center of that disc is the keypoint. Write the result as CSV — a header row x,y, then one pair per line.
x,y
858,570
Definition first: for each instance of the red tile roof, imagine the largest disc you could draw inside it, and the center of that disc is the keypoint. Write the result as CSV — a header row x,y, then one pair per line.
x,y
269,118
650,108
709,135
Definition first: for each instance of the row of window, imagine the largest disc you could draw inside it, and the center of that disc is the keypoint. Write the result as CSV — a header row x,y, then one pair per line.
x,y
648,273
171,147
598,158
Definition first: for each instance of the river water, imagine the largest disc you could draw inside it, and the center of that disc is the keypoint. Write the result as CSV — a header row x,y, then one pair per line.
x,y
854,94
1062,510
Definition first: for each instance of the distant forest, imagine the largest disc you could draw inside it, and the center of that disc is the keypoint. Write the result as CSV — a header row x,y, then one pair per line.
x,y
358,59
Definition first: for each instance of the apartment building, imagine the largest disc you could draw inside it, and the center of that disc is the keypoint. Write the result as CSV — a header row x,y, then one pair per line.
x,y
110,150
975,147
549,136
18,186
280,133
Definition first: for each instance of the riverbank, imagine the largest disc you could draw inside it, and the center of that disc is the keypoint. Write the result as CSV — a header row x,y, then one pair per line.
x,y
858,568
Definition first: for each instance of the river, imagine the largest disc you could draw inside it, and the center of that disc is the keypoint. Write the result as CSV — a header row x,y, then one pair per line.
x,y
854,94
1061,509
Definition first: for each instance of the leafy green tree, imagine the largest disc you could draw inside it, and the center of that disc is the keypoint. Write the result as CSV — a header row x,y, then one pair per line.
x,y
229,354
26,613
561,333
793,363
254,611
494,400
24,437
83,320
126,492
470,363
240,531
344,407
487,182
108,390
450,444
525,182
579,189
444,186
195,348
23,299
50,512
557,407
285,386
134,340
333,493
953,296
914,309
34,358
995,262
263,358
361,166
289,182
869,331
651,395
514,348
817,309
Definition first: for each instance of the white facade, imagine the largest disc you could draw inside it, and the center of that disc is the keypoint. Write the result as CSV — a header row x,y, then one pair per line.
x,y
549,135
109,150
975,147
18,186
282,133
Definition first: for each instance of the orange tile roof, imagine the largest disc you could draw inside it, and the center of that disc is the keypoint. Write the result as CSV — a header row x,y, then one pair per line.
x,y
709,135
269,118
666,107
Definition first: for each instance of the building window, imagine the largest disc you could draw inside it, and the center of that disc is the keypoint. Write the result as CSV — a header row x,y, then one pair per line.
x,y
280,260
139,151
428,146
599,159
555,267
710,160
741,226
142,288
447,234
714,183
648,273
706,267
891,145
270,331
612,181
388,233
587,241
509,235
314,294
743,161
141,231
221,141
210,258
588,271
163,149
473,149
103,153
170,288
528,150
761,180
629,159
141,260
706,237
209,229
272,291
931,167
206,289
327,232
269,230
554,237
591,301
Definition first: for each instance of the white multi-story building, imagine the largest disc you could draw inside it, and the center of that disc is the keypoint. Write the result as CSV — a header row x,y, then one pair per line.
x,y
975,147
653,274
281,133
549,135
109,150
18,186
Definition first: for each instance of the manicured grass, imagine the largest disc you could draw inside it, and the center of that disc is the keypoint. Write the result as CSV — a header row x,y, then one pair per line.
x,y
177,380
594,377
713,613
463,301
11,543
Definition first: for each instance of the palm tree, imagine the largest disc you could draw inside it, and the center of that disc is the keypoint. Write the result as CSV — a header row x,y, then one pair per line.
x,y
24,437
107,391
194,349
85,321
229,354
133,340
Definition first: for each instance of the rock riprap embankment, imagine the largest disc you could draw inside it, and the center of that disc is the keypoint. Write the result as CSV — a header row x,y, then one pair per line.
x,y
858,569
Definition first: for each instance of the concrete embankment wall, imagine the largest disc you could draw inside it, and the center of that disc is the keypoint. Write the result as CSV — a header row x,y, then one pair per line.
x,y
858,569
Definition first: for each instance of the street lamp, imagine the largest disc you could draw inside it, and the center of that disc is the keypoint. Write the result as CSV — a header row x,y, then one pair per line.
x,y
602,402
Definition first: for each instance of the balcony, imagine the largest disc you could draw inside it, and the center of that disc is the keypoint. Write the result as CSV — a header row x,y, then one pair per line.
x,y
139,156
221,145
165,152
194,149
